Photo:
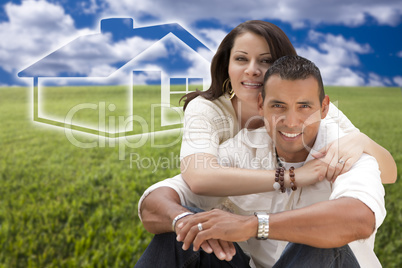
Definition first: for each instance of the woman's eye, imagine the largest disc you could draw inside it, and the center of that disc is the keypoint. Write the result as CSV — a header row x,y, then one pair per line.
x,y
241,59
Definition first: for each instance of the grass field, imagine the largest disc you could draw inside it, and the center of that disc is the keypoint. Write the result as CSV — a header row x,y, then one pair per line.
x,y
65,206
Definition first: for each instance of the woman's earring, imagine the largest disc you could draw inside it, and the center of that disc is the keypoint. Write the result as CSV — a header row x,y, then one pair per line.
x,y
227,89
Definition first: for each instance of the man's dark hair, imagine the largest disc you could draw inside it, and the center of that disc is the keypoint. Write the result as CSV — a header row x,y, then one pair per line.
x,y
295,68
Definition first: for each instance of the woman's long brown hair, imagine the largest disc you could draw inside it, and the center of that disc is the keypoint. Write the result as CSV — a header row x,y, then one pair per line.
x,y
279,45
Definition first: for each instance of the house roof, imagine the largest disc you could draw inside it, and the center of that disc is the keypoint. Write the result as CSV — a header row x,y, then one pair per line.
x,y
105,48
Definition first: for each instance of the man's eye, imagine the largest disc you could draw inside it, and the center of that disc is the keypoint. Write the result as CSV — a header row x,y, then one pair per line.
x,y
241,59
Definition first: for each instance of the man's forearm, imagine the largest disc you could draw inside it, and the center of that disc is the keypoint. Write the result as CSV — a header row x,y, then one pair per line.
x,y
325,225
159,209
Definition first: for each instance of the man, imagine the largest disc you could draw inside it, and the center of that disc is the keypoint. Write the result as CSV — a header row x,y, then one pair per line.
x,y
328,215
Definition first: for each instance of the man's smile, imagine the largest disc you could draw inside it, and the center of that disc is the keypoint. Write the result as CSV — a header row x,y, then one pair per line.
x,y
290,135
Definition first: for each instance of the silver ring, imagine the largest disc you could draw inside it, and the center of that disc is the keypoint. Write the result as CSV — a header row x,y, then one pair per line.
x,y
200,226
341,162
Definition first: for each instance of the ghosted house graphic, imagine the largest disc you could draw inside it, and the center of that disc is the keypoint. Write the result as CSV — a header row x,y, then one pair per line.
x,y
166,56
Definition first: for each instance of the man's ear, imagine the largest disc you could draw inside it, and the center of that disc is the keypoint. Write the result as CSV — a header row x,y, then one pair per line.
x,y
260,105
325,107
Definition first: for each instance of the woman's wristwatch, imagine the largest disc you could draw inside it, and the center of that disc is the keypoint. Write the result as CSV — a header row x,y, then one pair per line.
x,y
263,225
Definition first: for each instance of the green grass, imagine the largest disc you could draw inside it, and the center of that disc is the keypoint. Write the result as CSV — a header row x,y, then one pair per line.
x,y
378,113
105,108
65,206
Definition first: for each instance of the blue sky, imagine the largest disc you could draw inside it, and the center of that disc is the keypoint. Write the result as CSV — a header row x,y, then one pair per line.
x,y
355,43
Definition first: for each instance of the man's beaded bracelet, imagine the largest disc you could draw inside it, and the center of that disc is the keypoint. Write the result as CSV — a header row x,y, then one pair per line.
x,y
280,179
279,183
292,179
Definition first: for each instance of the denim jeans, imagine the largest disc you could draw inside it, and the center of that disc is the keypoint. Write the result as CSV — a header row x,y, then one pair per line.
x,y
165,251
303,256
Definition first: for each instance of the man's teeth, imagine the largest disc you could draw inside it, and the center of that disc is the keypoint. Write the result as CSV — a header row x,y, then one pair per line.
x,y
290,135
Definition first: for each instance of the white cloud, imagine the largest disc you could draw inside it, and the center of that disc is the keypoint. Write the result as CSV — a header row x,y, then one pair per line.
x,y
96,56
103,70
387,15
331,41
298,13
34,29
399,54
139,44
200,67
143,77
335,56
90,8
213,37
375,80
341,76
183,61
398,80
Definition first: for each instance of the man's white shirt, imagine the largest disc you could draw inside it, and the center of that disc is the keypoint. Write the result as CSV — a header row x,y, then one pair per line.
x,y
255,150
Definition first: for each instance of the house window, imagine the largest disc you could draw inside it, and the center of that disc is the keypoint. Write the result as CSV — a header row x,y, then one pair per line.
x,y
180,87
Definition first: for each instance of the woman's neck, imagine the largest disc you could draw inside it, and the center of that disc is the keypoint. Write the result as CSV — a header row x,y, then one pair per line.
x,y
247,115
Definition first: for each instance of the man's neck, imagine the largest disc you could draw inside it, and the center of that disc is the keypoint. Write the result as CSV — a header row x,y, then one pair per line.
x,y
293,158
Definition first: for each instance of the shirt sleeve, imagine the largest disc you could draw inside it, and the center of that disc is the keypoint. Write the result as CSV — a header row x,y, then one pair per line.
x,y
187,197
340,119
363,182
206,125
227,151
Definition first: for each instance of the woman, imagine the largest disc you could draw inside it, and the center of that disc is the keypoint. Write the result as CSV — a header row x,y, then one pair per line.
x,y
213,116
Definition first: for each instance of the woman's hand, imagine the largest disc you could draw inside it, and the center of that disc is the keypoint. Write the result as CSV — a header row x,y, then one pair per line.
x,y
310,173
341,154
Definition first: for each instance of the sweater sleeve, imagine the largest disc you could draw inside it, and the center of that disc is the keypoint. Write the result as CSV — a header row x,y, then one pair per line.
x,y
206,125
